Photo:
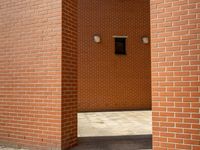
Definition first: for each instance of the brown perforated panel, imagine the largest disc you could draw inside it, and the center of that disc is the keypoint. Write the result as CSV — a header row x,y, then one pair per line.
x,y
107,81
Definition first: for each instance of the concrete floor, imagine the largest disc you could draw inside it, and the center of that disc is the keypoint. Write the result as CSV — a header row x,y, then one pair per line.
x,y
135,142
123,130
120,123
10,148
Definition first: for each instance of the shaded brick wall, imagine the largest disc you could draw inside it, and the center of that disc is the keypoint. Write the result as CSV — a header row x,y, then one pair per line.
x,y
107,81
175,74
38,81
69,73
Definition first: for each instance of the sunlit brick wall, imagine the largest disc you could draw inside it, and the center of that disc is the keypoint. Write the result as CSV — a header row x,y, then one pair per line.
x,y
38,73
175,74
30,73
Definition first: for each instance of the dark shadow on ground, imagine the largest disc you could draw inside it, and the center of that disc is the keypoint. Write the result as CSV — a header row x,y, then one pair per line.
x,y
135,142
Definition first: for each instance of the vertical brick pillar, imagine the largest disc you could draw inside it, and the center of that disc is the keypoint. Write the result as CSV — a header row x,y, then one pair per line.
x,y
69,73
38,80
175,74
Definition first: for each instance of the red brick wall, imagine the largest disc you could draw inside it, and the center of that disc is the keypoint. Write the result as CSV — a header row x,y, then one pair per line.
x,y
175,74
38,73
69,73
34,62
108,81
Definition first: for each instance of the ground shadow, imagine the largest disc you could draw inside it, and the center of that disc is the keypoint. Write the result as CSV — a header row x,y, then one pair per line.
x,y
134,142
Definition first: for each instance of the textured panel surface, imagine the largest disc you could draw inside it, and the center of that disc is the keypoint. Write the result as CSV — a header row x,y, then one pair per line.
x,y
107,81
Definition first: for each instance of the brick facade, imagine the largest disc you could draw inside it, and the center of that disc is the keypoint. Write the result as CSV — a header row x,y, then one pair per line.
x,y
107,81
38,73
175,74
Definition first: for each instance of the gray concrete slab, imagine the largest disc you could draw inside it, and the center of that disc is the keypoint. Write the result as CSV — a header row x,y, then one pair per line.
x,y
10,148
135,142
119,123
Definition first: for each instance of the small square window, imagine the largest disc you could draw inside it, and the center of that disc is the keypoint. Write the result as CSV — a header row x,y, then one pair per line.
x,y
120,46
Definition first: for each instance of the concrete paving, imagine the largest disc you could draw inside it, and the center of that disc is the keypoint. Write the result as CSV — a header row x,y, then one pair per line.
x,y
122,130
119,123
136,142
9,148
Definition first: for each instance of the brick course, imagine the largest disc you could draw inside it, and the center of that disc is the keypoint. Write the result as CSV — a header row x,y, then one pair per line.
x,y
175,74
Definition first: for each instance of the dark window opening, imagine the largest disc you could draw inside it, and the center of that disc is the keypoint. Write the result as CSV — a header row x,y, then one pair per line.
x,y
120,46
